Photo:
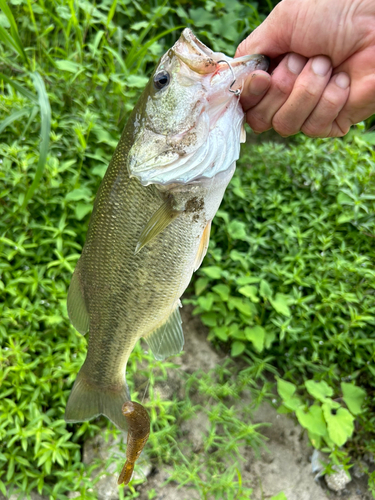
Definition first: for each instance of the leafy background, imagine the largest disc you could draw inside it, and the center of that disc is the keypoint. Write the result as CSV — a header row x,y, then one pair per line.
x,y
287,286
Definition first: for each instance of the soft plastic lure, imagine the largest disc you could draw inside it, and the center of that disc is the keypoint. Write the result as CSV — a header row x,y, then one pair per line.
x,y
138,432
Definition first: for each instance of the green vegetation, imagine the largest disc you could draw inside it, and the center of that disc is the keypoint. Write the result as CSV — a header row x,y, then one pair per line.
x,y
288,283
289,274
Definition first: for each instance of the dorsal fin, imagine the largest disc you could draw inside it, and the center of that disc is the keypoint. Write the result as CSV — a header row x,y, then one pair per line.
x,y
203,245
168,338
76,306
158,222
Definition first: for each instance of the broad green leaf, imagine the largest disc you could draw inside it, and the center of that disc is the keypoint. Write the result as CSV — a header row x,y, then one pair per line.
x,y
345,217
312,420
209,319
279,303
319,390
99,170
340,423
316,440
222,290
246,280
250,291
136,81
82,193
242,305
82,209
293,403
223,215
239,257
265,289
206,301
237,348
3,489
70,66
354,397
213,272
237,230
285,389
256,335
344,199
221,332
201,285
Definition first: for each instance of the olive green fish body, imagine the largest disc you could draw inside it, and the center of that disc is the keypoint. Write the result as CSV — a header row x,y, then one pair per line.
x,y
150,225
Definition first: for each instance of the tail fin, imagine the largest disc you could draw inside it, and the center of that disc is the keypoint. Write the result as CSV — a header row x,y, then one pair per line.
x,y
88,400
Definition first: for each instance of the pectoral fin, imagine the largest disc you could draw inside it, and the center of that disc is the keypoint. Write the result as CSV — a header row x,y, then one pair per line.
x,y
168,338
203,245
77,311
158,222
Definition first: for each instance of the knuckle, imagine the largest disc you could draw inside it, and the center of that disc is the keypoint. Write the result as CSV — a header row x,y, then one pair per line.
x,y
312,129
307,91
258,121
341,127
283,127
331,105
283,86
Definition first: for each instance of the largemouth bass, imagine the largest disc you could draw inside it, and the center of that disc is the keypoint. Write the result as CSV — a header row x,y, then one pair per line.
x,y
150,225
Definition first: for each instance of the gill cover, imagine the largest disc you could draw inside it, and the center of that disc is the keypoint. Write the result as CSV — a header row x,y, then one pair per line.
x,y
190,123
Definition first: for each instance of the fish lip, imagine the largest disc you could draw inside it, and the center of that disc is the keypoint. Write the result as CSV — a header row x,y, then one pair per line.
x,y
201,59
195,43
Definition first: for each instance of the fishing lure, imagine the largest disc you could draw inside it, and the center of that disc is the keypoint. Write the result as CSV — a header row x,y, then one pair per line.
x,y
139,429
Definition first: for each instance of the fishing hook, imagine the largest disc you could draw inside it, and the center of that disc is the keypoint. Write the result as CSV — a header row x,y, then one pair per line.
x,y
236,92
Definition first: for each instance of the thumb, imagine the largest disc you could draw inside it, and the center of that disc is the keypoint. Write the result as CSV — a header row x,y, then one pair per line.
x,y
272,38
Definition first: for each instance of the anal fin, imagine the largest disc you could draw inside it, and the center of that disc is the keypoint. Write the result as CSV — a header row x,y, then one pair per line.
x,y
158,222
203,245
76,306
167,339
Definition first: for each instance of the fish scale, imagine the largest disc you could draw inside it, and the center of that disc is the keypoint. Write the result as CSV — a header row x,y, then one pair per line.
x,y
146,238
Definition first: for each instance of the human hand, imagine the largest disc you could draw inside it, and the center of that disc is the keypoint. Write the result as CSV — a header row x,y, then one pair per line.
x,y
326,81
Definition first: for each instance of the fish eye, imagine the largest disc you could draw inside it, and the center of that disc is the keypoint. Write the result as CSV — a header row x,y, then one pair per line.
x,y
161,79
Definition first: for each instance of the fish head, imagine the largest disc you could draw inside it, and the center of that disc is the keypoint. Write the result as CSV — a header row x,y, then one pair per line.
x,y
187,124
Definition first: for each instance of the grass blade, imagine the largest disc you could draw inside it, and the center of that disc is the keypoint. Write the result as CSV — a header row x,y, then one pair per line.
x,y
34,112
13,117
17,44
111,13
45,116
8,40
19,88
143,50
130,57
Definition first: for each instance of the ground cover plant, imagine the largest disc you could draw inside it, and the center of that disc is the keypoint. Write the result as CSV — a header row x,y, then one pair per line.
x,y
290,277
287,284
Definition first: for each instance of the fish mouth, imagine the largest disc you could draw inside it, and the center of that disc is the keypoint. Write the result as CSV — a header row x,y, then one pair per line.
x,y
231,73
199,58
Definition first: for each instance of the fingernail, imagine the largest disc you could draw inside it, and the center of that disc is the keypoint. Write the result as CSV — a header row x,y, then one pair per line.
x,y
321,65
342,80
258,84
296,63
